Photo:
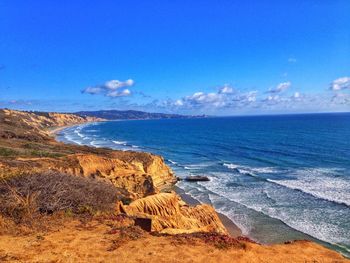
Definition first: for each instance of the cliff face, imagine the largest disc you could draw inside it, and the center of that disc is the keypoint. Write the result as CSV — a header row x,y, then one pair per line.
x,y
151,164
169,214
145,174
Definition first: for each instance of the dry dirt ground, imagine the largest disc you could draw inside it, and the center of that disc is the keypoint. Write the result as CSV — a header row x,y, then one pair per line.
x,y
100,242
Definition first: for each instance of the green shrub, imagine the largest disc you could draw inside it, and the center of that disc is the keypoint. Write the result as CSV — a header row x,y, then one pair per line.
x,y
7,152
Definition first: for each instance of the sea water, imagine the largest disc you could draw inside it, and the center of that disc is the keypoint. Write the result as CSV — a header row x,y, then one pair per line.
x,y
278,178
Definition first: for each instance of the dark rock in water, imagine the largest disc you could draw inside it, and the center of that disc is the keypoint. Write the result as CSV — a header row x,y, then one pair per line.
x,y
197,178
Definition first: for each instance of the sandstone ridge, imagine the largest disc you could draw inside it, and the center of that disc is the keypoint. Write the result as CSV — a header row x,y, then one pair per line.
x,y
171,215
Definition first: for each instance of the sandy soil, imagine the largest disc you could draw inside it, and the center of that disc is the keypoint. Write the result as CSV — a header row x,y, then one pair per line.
x,y
96,242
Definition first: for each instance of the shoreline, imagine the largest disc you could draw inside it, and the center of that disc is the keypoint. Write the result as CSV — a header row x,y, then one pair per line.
x,y
230,226
55,130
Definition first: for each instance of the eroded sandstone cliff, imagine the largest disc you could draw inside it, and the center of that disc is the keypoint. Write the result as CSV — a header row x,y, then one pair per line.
x,y
169,214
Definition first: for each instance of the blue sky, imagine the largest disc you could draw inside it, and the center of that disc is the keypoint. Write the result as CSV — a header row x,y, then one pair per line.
x,y
215,57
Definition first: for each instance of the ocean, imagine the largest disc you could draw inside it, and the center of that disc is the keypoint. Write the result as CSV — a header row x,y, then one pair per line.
x,y
278,178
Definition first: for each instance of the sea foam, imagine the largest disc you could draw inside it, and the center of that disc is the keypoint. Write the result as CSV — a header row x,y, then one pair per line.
x,y
120,142
321,183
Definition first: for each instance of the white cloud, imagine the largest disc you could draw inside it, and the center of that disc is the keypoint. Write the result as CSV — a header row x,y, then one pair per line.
x,y
292,60
341,98
226,89
272,98
92,90
116,84
21,102
251,96
340,84
117,93
111,88
204,99
228,100
179,103
296,95
281,87
225,97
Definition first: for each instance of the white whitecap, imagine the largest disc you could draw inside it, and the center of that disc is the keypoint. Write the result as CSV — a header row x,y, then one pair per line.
x,y
119,142
319,182
231,165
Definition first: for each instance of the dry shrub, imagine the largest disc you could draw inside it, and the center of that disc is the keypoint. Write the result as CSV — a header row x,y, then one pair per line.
x,y
25,196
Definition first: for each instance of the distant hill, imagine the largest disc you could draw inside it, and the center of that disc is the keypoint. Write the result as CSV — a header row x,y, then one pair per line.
x,y
132,115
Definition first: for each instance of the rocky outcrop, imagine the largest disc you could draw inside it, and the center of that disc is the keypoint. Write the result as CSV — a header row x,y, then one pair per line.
x,y
169,214
198,178
132,176
150,164
145,174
